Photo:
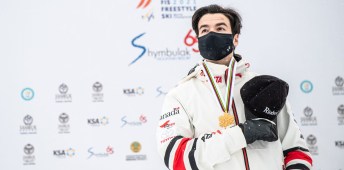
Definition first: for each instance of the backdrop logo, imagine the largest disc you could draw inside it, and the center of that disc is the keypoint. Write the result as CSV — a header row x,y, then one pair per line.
x,y
169,54
97,87
340,117
312,144
143,48
28,127
142,3
63,95
141,120
29,157
191,41
136,148
63,118
134,91
306,86
27,94
64,153
100,154
339,144
164,54
96,122
177,9
148,14
338,89
64,126
160,92
97,96
308,119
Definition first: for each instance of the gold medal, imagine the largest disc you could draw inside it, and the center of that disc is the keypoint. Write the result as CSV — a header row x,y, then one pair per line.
x,y
226,119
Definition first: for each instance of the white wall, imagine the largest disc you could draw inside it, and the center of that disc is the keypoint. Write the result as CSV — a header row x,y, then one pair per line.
x,y
46,43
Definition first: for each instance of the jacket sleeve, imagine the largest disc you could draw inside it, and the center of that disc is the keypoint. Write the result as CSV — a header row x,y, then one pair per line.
x,y
179,147
295,150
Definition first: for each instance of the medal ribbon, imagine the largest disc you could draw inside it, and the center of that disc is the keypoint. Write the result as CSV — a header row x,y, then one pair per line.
x,y
225,105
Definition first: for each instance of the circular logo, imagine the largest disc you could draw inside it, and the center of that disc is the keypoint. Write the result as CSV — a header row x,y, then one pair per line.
x,y
63,88
29,149
308,112
104,120
97,87
143,119
135,147
341,109
109,150
28,120
27,94
70,152
139,91
311,140
63,118
306,86
339,81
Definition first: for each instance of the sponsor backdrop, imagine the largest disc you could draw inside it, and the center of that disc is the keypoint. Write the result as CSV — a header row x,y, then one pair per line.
x,y
83,81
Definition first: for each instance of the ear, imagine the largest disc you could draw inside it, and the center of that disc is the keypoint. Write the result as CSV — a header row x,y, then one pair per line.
x,y
236,40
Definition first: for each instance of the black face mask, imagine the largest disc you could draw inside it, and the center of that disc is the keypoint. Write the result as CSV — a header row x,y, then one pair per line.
x,y
215,46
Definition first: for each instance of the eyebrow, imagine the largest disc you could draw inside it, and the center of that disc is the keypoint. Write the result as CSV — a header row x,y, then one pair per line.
x,y
203,26
221,23
218,24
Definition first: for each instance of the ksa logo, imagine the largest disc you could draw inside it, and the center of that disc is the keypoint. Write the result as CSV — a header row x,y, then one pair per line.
x,y
103,121
64,153
133,91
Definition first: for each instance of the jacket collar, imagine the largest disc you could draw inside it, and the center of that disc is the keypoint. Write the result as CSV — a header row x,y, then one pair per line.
x,y
218,71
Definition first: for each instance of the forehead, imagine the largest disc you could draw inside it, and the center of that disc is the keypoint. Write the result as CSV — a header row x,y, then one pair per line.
x,y
212,19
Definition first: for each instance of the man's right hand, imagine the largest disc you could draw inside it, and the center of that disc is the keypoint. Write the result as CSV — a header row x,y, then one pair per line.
x,y
259,129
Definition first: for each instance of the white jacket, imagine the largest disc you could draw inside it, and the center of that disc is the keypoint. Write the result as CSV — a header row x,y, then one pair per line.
x,y
189,136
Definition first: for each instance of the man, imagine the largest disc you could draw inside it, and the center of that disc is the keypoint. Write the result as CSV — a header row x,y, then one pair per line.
x,y
199,129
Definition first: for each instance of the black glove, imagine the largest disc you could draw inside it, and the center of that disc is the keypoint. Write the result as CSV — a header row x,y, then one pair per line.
x,y
259,129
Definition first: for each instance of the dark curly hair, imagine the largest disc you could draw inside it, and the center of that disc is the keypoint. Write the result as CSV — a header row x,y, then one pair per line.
x,y
232,15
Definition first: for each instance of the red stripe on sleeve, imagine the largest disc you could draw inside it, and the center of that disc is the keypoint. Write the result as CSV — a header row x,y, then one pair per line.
x,y
178,162
297,155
